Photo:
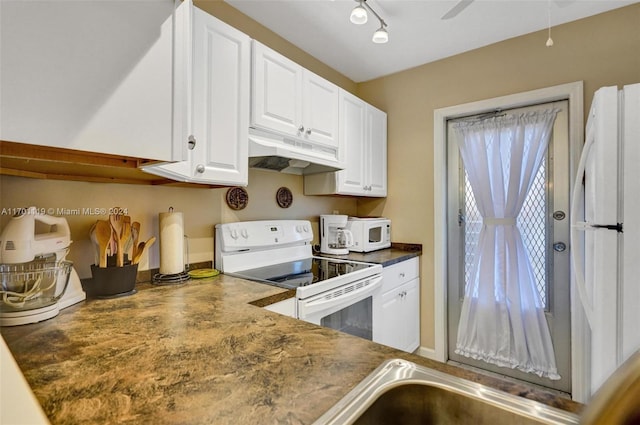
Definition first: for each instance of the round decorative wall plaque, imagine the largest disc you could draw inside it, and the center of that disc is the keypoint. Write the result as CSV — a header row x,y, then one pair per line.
x,y
237,198
284,197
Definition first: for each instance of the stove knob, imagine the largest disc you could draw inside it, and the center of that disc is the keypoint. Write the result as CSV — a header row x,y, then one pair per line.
x,y
234,233
306,228
299,228
244,233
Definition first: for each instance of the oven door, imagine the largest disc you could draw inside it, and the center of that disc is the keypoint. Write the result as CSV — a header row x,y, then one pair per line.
x,y
353,308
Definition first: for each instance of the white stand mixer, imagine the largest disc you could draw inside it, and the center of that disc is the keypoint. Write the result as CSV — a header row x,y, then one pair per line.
x,y
36,281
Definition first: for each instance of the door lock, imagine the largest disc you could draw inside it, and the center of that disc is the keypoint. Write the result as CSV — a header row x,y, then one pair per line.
x,y
559,246
559,215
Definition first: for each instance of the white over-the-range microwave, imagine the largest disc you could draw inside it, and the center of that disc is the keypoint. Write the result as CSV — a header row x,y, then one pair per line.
x,y
369,234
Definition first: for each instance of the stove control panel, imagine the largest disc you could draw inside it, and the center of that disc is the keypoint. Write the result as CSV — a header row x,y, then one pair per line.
x,y
248,235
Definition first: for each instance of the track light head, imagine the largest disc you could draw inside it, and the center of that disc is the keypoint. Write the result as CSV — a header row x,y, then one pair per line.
x,y
381,35
358,15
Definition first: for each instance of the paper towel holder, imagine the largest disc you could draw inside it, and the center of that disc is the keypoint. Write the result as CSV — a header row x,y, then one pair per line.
x,y
176,278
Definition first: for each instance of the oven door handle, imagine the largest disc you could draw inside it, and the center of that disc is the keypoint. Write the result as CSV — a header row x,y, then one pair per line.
x,y
333,296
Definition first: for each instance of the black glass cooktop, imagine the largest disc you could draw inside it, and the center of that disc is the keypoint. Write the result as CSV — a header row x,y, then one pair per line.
x,y
305,272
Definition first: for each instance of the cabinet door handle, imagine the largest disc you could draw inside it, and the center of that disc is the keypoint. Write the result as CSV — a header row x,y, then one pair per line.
x,y
301,129
401,274
200,168
308,131
191,142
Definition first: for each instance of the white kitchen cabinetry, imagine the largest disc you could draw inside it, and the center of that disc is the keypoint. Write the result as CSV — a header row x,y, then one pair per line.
x,y
363,146
89,75
216,72
288,99
401,306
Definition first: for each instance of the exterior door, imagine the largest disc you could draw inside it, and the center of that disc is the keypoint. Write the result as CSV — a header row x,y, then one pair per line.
x,y
544,224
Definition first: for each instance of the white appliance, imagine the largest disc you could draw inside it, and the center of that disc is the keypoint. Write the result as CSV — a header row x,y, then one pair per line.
x,y
607,269
335,293
335,238
369,234
273,151
35,280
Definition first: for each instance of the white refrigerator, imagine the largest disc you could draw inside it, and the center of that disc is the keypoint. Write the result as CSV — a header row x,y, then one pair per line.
x,y
605,234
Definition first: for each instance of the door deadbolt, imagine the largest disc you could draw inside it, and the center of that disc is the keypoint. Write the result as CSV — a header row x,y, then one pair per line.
x,y
559,246
559,215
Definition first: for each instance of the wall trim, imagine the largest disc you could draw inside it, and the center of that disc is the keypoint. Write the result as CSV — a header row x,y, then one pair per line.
x,y
428,353
573,92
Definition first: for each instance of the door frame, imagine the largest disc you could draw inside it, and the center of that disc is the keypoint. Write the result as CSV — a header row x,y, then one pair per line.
x,y
573,92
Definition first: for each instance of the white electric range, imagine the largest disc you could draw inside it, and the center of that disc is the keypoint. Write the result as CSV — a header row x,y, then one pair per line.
x,y
336,293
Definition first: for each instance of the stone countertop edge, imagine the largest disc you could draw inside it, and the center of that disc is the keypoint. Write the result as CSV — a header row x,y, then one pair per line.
x,y
200,353
386,257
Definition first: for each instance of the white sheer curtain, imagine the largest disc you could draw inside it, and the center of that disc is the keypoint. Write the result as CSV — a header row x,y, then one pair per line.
x,y
502,319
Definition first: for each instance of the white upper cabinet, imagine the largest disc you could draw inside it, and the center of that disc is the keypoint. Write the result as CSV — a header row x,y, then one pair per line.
x,y
363,144
89,75
376,152
291,100
214,106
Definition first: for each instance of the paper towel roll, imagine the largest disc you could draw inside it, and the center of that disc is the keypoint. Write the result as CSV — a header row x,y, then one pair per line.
x,y
171,243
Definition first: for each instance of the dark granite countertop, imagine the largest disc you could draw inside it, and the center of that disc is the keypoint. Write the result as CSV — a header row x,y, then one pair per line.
x,y
199,353
397,253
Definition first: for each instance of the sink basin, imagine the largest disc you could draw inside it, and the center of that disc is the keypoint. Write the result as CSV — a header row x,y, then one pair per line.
x,y
403,393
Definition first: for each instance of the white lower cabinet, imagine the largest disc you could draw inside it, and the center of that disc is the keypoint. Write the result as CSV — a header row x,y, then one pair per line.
x,y
215,89
401,306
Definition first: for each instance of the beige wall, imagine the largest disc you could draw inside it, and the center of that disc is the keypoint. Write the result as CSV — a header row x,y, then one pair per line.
x,y
601,50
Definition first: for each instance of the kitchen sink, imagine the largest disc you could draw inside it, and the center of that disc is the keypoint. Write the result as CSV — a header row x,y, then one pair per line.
x,y
403,393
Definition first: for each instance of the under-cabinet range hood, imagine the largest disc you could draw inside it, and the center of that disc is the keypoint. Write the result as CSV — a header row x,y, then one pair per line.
x,y
271,151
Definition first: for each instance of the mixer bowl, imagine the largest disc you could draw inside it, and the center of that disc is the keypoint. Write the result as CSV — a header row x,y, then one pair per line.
x,y
32,285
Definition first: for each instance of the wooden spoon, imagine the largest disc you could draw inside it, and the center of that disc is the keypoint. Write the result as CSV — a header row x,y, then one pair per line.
x,y
117,223
142,246
135,233
124,237
103,232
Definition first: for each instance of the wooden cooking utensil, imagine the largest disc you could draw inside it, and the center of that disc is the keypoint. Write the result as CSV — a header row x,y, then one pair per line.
x,y
135,233
103,231
124,237
142,246
117,223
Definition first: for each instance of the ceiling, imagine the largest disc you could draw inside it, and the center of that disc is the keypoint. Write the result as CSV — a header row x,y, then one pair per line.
x,y
417,34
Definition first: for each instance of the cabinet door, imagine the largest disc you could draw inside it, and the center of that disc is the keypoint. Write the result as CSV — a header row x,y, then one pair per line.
x,y
320,109
94,76
401,317
376,152
220,103
217,109
351,180
391,334
277,91
411,310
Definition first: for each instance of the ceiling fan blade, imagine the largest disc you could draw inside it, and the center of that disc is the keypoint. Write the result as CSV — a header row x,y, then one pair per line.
x,y
459,7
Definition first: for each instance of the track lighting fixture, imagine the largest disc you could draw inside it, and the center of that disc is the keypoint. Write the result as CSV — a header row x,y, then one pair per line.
x,y
359,17
359,14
